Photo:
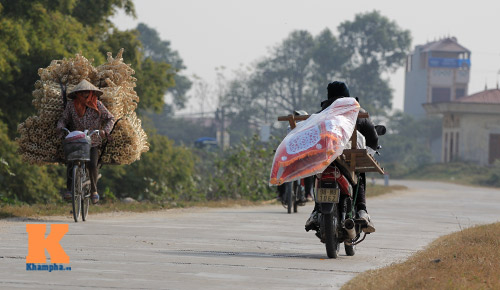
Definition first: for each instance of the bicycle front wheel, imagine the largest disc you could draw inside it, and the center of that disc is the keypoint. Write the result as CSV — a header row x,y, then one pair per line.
x,y
85,196
76,191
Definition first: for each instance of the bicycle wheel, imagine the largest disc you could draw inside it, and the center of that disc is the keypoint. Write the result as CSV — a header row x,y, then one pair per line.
x,y
296,195
289,196
76,191
85,196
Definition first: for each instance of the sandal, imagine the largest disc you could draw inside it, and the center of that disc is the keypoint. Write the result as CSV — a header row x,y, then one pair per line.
x,y
95,198
67,196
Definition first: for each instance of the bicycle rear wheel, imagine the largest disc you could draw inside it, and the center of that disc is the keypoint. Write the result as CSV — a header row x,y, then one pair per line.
x,y
296,195
289,196
76,191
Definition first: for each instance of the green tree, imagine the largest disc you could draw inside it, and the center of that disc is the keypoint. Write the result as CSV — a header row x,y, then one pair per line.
x,y
296,73
159,51
36,32
407,143
242,172
40,31
378,46
164,173
329,60
22,182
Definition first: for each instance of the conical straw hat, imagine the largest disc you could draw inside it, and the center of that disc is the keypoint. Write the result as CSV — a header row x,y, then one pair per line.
x,y
84,85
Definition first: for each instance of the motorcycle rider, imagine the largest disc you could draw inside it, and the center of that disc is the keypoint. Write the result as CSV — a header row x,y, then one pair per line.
x,y
338,90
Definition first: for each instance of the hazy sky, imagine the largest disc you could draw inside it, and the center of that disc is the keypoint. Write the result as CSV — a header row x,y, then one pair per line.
x,y
231,33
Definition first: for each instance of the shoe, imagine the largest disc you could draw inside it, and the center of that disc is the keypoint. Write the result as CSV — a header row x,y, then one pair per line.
x,y
313,222
369,227
309,198
94,197
67,196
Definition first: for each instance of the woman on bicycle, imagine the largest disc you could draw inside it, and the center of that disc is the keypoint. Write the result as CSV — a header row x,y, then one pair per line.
x,y
85,112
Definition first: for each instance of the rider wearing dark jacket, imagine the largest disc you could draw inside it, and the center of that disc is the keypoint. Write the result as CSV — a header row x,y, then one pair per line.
x,y
338,90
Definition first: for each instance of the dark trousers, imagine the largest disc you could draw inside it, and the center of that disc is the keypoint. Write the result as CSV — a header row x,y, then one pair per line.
x,y
308,187
361,198
91,168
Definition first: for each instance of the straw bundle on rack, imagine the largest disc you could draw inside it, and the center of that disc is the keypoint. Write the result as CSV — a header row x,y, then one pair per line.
x,y
40,142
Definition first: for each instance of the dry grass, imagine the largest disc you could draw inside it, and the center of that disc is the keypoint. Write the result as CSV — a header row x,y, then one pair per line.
x,y
469,259
375,190
58,209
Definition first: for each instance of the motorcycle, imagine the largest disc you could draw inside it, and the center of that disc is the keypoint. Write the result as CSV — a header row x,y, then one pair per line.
x,y
335,218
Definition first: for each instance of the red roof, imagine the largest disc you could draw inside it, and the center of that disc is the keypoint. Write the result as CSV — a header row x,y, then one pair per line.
x,y
484,97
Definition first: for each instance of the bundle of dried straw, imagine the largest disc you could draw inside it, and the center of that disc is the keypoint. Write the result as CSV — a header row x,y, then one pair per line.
x,y
40,142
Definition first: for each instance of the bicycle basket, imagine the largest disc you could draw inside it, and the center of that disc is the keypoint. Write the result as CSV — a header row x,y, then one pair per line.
x,y
77,149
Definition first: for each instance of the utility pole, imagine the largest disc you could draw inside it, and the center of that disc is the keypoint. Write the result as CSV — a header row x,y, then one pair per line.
x,y
223,130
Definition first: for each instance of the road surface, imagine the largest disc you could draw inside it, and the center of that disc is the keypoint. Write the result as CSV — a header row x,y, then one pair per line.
x,y
258,247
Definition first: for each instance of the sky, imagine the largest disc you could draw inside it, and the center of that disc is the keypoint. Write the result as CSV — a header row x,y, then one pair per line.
x,y
236,33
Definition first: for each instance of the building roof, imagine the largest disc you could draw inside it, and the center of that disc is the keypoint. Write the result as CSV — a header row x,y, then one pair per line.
x,y
484,97
449,44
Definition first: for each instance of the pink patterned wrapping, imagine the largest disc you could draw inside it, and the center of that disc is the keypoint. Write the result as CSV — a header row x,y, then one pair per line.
x,y
311,146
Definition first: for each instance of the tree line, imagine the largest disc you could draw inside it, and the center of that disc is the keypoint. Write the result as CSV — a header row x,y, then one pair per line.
x,y
294,75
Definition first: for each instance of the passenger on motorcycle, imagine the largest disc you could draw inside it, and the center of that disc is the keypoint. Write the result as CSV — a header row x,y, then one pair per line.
x,y
365,126
85,112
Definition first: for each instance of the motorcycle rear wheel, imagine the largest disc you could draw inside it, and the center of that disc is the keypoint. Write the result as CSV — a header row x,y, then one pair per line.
x,y
331,233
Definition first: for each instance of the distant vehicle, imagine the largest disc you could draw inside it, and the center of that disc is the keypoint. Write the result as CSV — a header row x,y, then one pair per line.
x,y
206,143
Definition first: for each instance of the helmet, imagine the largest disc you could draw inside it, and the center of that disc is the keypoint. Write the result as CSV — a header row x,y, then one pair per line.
x,y
337,90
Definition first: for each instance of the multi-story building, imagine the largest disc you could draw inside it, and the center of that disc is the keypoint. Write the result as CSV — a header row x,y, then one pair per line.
x,y
436,72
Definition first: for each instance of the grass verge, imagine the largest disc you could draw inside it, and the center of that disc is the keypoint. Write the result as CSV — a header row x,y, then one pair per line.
x,y
58,209
458,172
468,259
376,190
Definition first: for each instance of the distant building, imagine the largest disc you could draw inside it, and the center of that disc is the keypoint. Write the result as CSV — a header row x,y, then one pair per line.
x,y
471,127
435,72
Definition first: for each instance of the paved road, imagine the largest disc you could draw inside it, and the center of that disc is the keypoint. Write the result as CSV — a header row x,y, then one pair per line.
x,y
240,248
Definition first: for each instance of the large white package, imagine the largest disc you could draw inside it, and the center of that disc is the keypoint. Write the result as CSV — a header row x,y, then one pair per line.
x,y
315,143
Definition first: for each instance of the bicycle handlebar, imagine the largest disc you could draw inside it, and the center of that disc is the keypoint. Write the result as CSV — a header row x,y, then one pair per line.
x,y
93,132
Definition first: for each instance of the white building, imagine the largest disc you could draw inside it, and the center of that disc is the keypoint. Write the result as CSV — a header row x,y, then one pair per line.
x,y
471,127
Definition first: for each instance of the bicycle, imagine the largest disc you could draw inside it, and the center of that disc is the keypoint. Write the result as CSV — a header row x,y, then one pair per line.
x,y
77,153
294,193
